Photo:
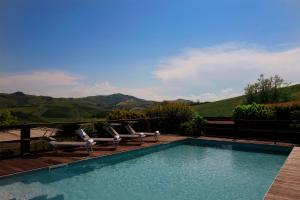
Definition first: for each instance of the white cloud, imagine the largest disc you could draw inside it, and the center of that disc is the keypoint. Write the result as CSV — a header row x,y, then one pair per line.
x,y
63,84
212,96
232,62
37,82
36,77
205,74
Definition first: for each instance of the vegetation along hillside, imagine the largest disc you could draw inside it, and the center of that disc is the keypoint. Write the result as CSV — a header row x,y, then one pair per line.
x,y
223,108
31,108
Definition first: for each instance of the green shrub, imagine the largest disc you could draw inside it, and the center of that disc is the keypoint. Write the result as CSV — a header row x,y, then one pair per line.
x,y
99,126
99,129
285,112
67,130
95,129
124,114
193,127
6,119
253,112
171,115
295,117
286,117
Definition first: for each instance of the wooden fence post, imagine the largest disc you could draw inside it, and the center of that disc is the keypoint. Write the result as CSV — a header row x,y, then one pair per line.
x,y
25,140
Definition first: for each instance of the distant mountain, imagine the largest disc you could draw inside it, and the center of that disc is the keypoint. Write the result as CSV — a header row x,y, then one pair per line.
x,y
119,101
31,108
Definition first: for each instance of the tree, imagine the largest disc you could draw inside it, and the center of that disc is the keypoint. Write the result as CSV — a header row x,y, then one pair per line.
x,y
267,90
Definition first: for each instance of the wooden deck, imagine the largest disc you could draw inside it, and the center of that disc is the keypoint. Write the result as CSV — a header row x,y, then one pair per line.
x,y
41,160
287,183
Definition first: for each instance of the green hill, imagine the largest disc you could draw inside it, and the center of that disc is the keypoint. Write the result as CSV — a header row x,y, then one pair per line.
x,y
31,108
223,108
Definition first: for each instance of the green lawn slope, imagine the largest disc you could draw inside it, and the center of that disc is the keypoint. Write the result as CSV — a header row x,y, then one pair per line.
x,y
224,108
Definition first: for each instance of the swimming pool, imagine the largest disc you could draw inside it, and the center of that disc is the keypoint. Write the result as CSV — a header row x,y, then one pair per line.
x,y
191,169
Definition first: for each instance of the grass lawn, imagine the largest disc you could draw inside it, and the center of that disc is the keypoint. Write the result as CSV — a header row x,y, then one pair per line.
x,y
223,108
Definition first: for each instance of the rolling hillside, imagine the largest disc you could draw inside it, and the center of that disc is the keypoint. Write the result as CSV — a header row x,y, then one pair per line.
x,y
223,108
31,108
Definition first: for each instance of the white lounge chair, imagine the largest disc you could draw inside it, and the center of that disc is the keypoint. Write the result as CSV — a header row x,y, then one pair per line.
x,y
115,140
112,131
133,132
87,144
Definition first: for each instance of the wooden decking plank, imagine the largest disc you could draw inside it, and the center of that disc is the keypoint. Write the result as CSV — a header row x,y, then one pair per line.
x,y
287,184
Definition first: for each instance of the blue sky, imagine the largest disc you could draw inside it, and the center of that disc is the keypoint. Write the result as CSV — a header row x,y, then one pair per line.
x,y
153,49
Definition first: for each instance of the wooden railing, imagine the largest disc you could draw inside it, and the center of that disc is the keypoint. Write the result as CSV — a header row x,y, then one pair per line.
x,y
234,130
25,130
272,130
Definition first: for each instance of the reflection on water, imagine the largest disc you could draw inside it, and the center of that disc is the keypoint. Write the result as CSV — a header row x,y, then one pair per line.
x,y
45,197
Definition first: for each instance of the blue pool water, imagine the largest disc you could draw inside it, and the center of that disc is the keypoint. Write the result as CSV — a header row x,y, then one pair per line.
x,y
179,172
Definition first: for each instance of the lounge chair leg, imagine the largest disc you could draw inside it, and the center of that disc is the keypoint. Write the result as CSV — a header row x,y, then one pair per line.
x,y
89,150
141,140
55,149
115,144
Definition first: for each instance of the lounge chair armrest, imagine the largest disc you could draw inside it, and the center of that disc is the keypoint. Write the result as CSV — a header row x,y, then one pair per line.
x,y
51,138
142,134
117,138
90,142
